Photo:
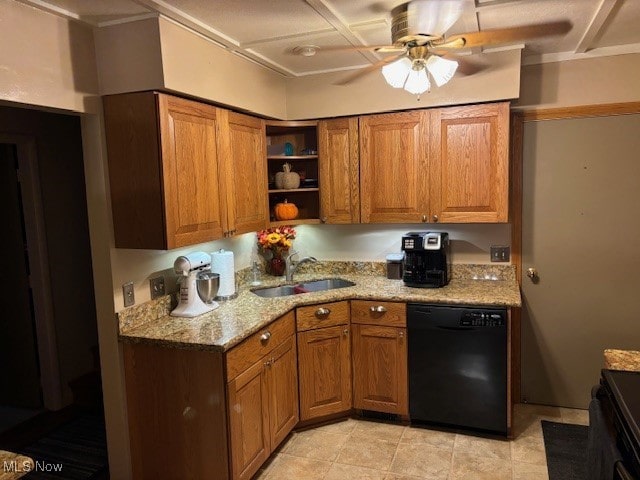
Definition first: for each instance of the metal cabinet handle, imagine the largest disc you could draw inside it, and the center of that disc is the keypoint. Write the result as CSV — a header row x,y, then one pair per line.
x,y
323,312
265,336
377,309
345,332
323,219
435,218
424,218
401,334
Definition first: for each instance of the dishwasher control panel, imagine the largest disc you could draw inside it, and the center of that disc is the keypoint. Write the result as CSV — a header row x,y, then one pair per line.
x,y
482,319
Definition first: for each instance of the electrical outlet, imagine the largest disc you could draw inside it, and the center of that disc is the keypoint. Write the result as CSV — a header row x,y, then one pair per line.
x,y
128,295
500,253
156,285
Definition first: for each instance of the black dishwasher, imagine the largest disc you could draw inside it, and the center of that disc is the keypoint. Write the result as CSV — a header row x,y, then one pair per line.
x,y
458,366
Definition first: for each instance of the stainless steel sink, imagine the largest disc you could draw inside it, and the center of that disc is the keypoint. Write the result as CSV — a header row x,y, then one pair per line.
x,y
306,287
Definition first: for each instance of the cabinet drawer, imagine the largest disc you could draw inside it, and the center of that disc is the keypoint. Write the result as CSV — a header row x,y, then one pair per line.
x,y
392,314
324,315
251,349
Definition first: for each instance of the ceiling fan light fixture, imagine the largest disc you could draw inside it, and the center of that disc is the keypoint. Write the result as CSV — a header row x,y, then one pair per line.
x,y
441,69
417,81
396,73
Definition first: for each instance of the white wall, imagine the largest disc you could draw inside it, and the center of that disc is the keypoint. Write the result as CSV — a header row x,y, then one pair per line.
x,y
45,60
470,243
581,82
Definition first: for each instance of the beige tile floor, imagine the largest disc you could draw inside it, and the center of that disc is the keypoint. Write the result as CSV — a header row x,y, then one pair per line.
x,y
361,449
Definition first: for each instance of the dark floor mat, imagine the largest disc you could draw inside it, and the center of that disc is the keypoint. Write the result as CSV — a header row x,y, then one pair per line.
x,y
77,450
566,448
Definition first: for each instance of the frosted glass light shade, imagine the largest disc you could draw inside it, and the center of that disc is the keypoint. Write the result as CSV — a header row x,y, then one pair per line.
x,y
417,82
441,69
395,73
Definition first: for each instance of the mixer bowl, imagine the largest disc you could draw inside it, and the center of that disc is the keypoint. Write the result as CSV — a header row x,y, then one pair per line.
x,y
207,284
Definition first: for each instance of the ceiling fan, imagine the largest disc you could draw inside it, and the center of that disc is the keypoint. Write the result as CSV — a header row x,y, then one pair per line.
x,y
418,32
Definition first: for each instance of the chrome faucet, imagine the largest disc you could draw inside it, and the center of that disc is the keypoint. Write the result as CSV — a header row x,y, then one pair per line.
x,y
291,267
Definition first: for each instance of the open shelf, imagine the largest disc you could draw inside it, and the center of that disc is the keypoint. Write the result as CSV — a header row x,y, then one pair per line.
x,y
296,190
296,221
302,137
292,157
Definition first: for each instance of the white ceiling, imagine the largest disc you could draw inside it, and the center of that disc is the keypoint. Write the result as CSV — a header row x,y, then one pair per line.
x,y
267,30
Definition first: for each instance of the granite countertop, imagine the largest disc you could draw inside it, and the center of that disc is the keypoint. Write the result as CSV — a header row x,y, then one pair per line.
x,y
236,319
622,360
14,465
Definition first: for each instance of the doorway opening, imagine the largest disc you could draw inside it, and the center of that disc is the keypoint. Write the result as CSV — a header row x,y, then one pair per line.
x,y
48,330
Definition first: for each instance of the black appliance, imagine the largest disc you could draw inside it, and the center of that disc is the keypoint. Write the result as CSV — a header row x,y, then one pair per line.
x,y
458,366
614,427
427,259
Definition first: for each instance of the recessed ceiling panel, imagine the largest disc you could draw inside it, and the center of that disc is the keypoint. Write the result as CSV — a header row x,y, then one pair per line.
x,y
98,11
280,53
518,13
623,27
253,20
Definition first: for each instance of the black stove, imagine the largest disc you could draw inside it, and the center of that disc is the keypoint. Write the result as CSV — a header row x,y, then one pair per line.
x,y
622,396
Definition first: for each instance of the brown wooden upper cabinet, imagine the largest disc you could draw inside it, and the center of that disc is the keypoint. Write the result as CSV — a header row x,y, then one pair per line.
x,y
394,167
436,165
175,166
339,170
248,204
470,163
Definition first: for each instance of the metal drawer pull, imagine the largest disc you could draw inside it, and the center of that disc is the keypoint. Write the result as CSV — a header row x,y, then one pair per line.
x,y
345,331
322,312
378,309
401,334
265,336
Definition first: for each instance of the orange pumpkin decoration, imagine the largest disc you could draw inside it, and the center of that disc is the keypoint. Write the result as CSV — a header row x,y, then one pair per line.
x,y
286,211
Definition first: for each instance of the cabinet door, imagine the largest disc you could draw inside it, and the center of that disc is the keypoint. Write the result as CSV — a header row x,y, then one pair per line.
x,y
394,168
247,174
325,371
283,391
248,407
195,210
470,163
380,369
339,170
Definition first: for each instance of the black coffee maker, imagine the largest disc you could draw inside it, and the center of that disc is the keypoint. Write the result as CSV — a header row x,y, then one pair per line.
x,y
427,259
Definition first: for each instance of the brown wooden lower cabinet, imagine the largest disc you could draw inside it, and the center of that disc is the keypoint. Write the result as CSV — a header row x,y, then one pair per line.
x,y
195,414
324,359
177,413
324,363
263,408
379,343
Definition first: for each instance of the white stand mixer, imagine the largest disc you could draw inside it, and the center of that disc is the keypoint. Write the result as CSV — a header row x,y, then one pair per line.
x,y
200,286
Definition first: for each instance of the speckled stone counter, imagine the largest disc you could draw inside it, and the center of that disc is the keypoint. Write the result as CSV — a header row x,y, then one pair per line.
x,y
14,465
622,360
236,319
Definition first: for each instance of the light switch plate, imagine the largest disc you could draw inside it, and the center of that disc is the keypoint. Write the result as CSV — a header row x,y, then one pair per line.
x,y
156,285
127,294
500,253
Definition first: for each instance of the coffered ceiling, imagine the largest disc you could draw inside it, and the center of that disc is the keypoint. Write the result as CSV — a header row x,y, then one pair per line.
x,y
266,31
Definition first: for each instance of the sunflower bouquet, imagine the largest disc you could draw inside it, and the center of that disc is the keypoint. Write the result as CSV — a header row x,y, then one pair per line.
x,y
275,241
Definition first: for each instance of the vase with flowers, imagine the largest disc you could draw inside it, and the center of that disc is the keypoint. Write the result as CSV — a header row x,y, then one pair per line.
x,y
273,243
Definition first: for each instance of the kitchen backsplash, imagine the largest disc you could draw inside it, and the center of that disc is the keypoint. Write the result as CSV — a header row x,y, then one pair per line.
x,y
362,243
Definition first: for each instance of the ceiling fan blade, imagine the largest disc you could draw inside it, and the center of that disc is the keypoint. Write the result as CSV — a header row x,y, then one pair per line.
x,y
433,17
367,70
500,36
354,48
